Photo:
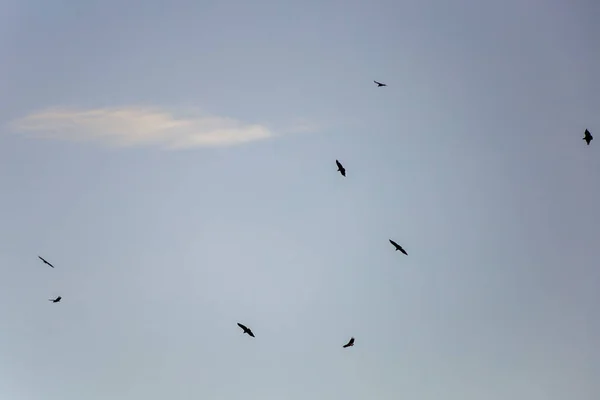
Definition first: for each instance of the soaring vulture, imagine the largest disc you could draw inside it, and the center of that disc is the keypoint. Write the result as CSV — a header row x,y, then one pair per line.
x,y
45,262
246,329
340,168
398,247
588,137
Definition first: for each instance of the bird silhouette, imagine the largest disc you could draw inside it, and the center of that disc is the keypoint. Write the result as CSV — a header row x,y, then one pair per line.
x,y
588,137
56,300
350,343
398,247
340,168
45,262
379,84
246,329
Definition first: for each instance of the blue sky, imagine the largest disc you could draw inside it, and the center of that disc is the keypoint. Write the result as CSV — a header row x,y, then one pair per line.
x,y
176,162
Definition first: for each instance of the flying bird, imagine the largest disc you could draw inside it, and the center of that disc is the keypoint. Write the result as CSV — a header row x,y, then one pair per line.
x,y
350,343
45,262
398,247
379,84
588,137
340,168
246,329
56,300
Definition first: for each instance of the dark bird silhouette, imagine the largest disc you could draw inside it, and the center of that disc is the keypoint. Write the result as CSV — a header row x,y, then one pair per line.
x,y
379,84
340,168
588,137
46,262
350,343
56,300
246,329
398,247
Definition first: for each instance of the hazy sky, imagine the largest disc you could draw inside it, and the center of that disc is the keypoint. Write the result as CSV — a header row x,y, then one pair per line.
x,y
175,160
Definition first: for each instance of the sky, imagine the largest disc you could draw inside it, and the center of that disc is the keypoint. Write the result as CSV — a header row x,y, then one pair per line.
x,y
175,161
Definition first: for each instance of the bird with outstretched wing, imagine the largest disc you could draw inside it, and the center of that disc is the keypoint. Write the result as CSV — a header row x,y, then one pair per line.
x,y
45,262
340,168
398,247
350,343
588,137
246,329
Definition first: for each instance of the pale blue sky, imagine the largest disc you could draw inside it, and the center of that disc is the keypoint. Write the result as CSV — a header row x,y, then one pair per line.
x,y
176,162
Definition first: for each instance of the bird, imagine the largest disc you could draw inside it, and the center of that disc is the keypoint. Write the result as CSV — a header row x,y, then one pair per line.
x,y
588,137
379,84
398,247
56,300
340,168
246,329
45,262
350,343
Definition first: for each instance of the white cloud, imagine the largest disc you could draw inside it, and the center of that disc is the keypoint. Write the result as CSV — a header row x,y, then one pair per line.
x,y
139,126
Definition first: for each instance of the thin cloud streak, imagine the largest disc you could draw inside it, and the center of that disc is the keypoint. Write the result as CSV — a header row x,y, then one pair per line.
x,y
139,126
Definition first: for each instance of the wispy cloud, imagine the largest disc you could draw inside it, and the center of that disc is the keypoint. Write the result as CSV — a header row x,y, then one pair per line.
x,y
139,126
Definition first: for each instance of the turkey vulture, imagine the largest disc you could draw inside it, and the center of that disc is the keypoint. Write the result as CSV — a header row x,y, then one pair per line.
x,y
56,300
246,329
398,247
46,262
340,168
350,343
588,137
379,84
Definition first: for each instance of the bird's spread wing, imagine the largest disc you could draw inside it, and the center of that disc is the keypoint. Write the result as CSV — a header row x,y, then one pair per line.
x,y
339,165
394,243
242,326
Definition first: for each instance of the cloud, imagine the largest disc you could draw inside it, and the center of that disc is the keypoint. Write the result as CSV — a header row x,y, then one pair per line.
x,y
139,126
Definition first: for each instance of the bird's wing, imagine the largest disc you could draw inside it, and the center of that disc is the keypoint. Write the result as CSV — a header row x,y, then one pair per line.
x,y
379,83
42,258
242,326
351,341
338,164
250,333
403,251
396,245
